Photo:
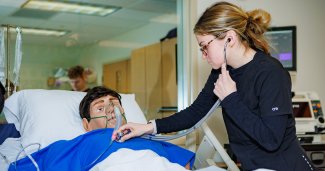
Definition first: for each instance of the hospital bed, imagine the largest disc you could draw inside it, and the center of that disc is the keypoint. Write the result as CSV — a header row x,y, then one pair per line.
x,y
46,116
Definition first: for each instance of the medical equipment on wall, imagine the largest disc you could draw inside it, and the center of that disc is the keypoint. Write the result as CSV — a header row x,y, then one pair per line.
x,y
309,116
5,59
310,126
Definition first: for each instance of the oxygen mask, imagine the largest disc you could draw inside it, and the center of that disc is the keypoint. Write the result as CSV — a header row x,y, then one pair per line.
x,y
110,114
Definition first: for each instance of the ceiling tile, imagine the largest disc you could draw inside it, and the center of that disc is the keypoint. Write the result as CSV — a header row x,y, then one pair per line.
x,y
6,11
157,6
133,15
23,22
12,3
32,13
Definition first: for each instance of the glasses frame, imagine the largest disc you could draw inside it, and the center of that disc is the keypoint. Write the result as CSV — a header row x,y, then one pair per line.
x,y
204,48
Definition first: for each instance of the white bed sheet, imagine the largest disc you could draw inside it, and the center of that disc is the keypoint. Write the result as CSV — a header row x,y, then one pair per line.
x,y
140,160
9,148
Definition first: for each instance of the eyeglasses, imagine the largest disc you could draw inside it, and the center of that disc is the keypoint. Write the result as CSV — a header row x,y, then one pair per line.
x,y
204,48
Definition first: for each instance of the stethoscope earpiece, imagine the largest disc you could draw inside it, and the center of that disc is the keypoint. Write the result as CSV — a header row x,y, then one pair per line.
x,y
225,51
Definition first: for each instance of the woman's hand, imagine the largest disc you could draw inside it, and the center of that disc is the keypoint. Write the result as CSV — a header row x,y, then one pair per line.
x,y
131,130
224,85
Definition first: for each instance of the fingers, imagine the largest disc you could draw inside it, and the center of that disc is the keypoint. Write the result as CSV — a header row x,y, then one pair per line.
x,y
128,131
123,128
217,86
225,73
127,136
223,68
223,83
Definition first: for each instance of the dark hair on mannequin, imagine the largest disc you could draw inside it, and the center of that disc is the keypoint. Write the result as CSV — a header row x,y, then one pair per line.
x,y
93,94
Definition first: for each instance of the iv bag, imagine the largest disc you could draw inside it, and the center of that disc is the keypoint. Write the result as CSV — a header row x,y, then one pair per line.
x,y
2,57
18,56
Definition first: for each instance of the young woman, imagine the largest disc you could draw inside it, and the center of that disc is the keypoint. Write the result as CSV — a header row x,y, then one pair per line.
x,y
254,89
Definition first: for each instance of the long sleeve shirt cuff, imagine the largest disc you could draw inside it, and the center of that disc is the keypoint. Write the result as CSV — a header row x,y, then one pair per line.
x,y
153,122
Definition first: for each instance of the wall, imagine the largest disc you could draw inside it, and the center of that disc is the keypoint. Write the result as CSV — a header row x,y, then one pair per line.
x,y
119,48
309,18
39,62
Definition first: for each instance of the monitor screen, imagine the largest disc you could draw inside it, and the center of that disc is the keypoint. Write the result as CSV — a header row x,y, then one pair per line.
x,y
301,110
283,45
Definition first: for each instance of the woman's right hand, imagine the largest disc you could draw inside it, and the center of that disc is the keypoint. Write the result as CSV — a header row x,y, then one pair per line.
x,y
131,130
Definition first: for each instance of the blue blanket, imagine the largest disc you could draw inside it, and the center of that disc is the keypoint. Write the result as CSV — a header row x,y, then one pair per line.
x,y
80,152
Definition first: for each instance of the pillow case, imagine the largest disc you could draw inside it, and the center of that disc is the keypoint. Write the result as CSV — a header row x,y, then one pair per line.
x,y
46,116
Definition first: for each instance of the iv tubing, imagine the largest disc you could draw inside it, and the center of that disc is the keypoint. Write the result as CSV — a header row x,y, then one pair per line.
x,y
118,123
28,155
198,124
213,108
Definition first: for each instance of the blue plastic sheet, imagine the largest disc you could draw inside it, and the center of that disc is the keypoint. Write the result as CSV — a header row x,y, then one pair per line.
x,y
79,153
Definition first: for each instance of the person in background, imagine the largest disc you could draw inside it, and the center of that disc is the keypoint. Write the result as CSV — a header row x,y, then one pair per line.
x,y
78,80
254,89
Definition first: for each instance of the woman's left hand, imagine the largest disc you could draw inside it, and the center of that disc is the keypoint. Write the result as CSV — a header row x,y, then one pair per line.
x,y
224,84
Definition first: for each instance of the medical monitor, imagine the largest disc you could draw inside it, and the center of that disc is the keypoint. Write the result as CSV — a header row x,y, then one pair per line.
x,y
304,116
302,110
283,45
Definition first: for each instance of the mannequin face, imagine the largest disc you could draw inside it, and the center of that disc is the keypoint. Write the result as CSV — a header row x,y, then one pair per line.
x,y
102,113
213,51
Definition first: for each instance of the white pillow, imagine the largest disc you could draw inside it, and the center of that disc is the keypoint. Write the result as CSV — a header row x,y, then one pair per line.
x,y
45,116
133,112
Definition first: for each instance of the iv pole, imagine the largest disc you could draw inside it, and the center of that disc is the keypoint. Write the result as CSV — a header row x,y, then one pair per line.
x,y
8,88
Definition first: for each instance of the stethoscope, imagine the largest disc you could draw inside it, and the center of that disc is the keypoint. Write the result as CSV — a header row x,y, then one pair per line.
x,y
198,124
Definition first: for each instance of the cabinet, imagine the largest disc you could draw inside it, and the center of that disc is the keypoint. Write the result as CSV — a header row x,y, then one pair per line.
x,y
116,76
153,78
145,80
169,77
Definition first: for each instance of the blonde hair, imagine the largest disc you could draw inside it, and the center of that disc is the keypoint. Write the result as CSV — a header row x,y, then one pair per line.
x,y
224,16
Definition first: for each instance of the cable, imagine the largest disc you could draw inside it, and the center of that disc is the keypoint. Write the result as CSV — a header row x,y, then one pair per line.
x,y
28,155
213,108
5,158
118,116
171,137
225,50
